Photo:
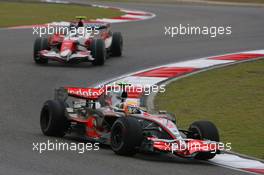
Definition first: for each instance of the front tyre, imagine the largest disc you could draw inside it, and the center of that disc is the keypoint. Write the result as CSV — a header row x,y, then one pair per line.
x,y
204,130
53,121
117,44
126,135
98,52
39,45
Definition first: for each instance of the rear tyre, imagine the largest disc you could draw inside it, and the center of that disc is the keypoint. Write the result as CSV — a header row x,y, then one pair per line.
x,y
204,130
40,44
53,121
126,135
117,44
98,52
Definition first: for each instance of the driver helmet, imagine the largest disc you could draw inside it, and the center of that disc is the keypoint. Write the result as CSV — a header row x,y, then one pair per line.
x,y
131,108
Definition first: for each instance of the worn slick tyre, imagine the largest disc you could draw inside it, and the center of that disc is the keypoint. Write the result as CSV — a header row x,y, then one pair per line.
x,y
98,52
41,43
53,121
205,130
117,44
126,135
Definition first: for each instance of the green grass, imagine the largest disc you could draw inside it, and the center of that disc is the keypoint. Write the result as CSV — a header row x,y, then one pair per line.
x,y
242,1
175,1
231,97
15,14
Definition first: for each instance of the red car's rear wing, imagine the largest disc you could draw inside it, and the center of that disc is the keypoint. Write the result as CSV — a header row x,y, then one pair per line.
x,y
85,93
95,93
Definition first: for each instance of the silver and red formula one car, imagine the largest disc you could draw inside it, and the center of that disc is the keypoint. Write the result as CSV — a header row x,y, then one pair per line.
x,y
112,117
79,43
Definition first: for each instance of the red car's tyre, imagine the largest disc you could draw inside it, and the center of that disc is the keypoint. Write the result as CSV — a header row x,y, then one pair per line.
x,y
204,130
126,135
98,52
53,121
117,44
41,43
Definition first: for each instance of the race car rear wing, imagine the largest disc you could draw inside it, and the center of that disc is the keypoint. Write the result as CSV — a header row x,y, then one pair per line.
x,y
78,92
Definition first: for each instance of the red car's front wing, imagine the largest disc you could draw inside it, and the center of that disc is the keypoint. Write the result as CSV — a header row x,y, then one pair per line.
x,y
184,148
81,56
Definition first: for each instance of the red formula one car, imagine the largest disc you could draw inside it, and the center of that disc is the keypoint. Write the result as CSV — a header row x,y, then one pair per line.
x,y
79,43
111,117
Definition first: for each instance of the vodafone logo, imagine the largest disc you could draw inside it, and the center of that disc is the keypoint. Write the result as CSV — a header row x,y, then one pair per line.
x,y
85,92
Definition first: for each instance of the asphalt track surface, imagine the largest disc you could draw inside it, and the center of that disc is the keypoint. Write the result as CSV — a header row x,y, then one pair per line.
x,y
24,87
